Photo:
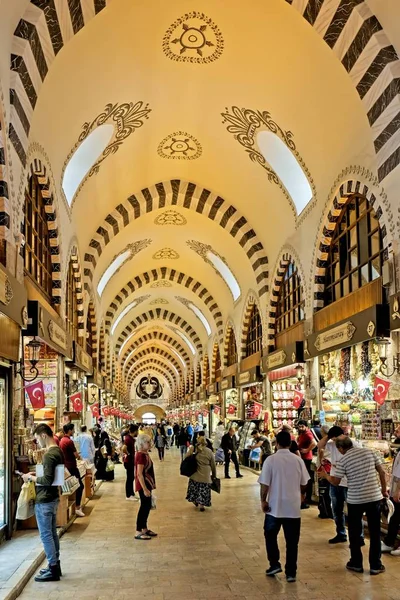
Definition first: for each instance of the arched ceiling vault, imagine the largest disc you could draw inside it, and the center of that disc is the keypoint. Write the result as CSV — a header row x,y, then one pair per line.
x,y
160,338
148,363
151,348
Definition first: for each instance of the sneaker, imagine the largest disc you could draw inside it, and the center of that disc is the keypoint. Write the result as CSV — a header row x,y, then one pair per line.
x,y
304,506
338,539
385,548
133,499
291,578
396,552
380,569
227,476
79,513
273,571
351,567
239,476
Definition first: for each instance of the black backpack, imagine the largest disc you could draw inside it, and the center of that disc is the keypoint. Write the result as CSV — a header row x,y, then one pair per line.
x,y
189,466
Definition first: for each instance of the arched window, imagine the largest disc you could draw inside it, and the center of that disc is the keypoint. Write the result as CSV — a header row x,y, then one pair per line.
x,y
206,371
290,306
254,334
89,334
37,240
217,374
71,307
232,349
356,252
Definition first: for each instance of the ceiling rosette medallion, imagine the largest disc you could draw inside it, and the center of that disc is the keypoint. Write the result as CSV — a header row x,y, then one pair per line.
x,y
193,38
166,253
159,301
180,146
170,217
160,284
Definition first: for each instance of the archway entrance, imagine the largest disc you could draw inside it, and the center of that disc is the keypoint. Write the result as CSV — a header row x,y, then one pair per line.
x,y
149,418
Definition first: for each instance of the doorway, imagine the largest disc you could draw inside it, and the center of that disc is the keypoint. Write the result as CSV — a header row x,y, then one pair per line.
x,y
149,418
5,456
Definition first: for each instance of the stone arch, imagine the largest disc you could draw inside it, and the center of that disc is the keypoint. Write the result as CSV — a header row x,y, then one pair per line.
x,y
251,301
198,374
170,275
337,200
38,169
205,368
102,349
153,361
73,257
5,208
168,318
161,337
91,315
139,353
229,328
215,351
158,412
287,254
190,196
358,40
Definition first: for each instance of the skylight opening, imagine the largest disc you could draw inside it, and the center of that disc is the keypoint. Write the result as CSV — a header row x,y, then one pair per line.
x,y
84,158
286,166
200,315
122,315
185,339
125,343
178,356
226,274
109,272
127,358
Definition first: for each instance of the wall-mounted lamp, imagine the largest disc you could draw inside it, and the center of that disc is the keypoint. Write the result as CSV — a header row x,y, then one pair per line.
x,y
299,372
33,348
383,344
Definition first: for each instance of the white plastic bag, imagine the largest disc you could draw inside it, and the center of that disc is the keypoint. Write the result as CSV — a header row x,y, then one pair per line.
x,y
153,502
110,465
26,502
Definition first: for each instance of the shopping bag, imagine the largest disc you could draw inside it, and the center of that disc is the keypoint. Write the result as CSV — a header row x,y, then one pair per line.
x,y
26,502
216,485
255,455
153,502
110,465
189,466
219,456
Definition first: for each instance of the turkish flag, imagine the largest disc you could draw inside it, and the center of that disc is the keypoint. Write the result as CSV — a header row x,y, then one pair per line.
x,y
106,411
217,410
231,409
36,395
76,401
257,408
95,409
381,390
297,399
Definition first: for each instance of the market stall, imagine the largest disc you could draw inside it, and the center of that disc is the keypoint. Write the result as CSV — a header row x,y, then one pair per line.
x,y
215,404
251,408
230,399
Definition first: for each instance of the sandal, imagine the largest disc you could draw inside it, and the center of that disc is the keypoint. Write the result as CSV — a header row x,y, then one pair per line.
x,y
142,536
151,533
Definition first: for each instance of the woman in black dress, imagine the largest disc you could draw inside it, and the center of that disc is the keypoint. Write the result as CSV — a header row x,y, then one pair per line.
x,y
103,454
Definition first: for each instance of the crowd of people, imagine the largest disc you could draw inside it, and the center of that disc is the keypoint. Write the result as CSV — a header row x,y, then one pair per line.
x,y
346,471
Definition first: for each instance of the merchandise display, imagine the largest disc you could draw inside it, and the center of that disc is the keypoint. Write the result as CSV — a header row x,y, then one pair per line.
x,y
284,407
231,404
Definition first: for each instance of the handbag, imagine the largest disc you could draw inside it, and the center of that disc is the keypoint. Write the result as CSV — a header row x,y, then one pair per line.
x,y
220,455
110,465
26,502
215,485
189,466
103,450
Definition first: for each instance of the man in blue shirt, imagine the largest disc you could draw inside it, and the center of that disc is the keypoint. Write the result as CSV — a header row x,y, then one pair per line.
x,y
189,431
86,445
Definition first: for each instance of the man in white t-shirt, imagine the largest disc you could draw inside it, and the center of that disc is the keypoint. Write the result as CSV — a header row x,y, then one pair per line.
x,y
390,539
283,480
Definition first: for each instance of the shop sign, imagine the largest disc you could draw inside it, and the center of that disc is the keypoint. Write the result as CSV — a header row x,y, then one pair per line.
x,y
335,336
244,377
212,388
202,395
395,312
224,384
276,359
6,291
82,359
57,334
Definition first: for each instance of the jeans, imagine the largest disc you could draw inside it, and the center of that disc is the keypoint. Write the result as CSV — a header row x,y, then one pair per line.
x,y
231,457
46,515
79,491
169,441
355,514
393,526
307,463
161,452
144,511
130,477
291,530
183,450
338,494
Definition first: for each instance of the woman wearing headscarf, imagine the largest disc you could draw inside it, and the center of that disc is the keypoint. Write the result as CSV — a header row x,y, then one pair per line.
x,y
145,483
199,490
103,455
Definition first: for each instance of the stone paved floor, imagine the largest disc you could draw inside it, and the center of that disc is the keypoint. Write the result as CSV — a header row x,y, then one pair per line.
x,y
200,556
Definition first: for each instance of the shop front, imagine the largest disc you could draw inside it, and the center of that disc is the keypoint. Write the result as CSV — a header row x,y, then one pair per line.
x,y
230,399
76,388
353,390
94,397
215,406
285,372
251,408
13,318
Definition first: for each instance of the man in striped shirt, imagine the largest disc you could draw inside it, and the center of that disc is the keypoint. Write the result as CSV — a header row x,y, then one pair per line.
x,y
362,466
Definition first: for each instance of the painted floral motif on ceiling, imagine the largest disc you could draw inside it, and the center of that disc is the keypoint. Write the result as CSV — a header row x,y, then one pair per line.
x,y
133,249
202,249
159,301
180,146
170,217
245,124
125,117
166,253
193,38
160,284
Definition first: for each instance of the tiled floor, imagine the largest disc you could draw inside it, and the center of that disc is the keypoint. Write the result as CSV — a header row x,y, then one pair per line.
x,y
199,556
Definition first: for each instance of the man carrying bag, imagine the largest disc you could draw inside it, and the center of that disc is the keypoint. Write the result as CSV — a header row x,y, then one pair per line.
x,y
47,500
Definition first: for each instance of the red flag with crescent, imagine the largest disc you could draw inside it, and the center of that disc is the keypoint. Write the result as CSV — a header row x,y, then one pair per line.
x,y
297,399
95,409
231,409
36,395
257,408
106,411
76,402
381,390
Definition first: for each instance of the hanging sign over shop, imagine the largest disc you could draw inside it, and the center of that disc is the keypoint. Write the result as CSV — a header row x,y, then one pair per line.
x,y
335,336
36,395
76,402
57,334
381,390
276,359
6,291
